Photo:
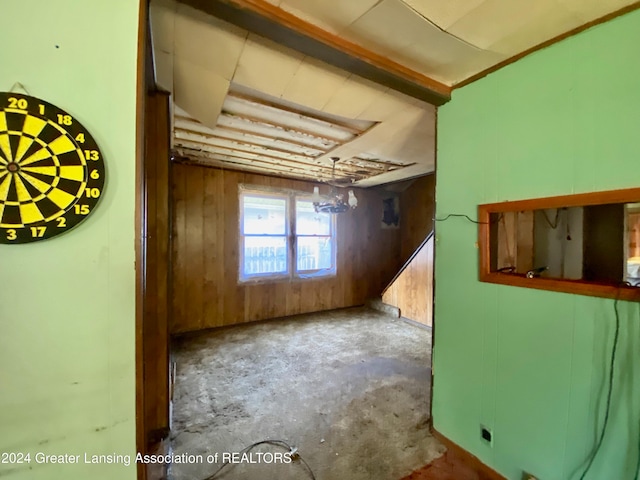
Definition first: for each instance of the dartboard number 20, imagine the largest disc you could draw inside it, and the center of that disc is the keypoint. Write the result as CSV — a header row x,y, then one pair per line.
x,y
51,170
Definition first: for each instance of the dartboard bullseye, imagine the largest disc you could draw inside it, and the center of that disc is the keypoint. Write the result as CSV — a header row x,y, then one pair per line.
x,y
52,172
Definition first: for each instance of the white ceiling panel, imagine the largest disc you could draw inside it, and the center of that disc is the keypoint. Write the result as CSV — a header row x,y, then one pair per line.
x,y
467,65
410,138
407,137
412,171
332,15
199,91
587,10
431,48
353,97
388,28
443,13
494,20
388,105
266,66
164,69
536,33
403,35
207,41
162,14
314,83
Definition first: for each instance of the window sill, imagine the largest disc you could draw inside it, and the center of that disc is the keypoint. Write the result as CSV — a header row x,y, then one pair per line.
x,y
287,279
579,287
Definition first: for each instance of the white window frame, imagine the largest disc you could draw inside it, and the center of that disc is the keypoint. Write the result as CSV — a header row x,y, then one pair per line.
x,y
291,197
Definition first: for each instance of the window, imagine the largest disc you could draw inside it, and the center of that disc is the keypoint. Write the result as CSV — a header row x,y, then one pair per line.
x,y
583,243
281,236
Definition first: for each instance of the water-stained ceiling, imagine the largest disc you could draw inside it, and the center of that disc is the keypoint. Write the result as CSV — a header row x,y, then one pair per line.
x,y
244,102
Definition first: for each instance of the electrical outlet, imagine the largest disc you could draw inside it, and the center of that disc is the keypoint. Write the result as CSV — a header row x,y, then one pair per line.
x,y
529,476
486,434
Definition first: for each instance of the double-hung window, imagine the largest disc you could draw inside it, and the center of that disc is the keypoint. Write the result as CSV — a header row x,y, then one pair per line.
x,y
281,236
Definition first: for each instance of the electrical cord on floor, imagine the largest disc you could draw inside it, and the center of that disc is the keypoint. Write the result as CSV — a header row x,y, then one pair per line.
x,y
614,349
278,443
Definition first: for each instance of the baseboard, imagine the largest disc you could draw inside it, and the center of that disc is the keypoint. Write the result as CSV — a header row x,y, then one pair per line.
x,y
416,324
468,458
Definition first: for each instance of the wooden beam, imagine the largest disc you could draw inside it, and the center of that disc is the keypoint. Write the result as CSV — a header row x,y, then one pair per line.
x,y
267,20
142,79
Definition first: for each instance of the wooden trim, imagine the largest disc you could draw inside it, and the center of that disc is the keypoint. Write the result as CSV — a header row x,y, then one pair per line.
x,y
140,214
157,249
580,287
468,459
627,195
548,43
267,20
435,253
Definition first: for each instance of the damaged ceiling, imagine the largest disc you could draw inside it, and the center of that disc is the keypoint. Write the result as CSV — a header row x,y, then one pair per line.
x,y
265,136
246,103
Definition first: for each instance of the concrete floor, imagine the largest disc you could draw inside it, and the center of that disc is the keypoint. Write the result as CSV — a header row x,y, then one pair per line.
x,y
348,388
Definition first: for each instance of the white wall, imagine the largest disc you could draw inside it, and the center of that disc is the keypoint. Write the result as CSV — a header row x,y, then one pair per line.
x,y
560,249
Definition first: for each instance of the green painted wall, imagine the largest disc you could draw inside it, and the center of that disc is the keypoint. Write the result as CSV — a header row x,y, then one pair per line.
x,y
529,364
67,365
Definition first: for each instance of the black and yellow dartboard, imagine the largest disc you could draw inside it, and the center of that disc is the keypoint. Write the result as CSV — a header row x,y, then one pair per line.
x,y
51,170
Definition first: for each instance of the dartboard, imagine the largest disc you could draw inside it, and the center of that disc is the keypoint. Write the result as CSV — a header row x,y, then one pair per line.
x,y
51,170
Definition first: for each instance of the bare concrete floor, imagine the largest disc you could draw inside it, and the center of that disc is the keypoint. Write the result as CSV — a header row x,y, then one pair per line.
x,y
348,388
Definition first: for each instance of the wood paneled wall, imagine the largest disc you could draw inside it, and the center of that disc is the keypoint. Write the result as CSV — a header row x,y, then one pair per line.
x,y
417,208
205,248
412,291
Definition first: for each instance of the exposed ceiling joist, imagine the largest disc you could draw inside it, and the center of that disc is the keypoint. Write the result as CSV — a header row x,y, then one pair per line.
x,y
269,21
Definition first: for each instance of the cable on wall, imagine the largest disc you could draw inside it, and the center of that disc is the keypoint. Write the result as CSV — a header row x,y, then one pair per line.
x,y
614,350
278,443
462,215
553,225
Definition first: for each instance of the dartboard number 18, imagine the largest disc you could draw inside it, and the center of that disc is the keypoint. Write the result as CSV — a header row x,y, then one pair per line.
x,y
52,172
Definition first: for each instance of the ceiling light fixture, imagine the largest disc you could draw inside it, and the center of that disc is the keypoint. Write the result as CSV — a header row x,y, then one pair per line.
x,y
334,202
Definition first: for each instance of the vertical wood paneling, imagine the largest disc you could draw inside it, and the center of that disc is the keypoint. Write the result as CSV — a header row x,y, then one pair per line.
x,y
212,261
195,247
412,291
179,252
417,209
633,223
206,292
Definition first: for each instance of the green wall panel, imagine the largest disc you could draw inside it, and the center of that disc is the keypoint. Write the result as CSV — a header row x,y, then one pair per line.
x,y
67,305
532,365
